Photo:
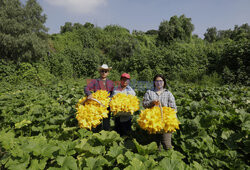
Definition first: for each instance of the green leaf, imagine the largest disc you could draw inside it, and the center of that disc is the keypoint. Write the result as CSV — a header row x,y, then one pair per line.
x,y
38,164
18,164
22,124
106,137
121,159
247,146
96,163
50,127
136,164
10,142
226,134
84,146
173,164
114,151
67,148
48,150
147,149
67,162
196,165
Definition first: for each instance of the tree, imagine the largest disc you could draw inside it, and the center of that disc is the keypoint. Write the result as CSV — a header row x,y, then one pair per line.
x,y
241,32
88,25
22,32
66,28
175,29
235,62
211,34
152,32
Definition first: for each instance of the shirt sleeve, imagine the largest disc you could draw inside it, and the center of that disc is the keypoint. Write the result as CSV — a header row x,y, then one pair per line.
x,y
171,101
147,102
131,91
114,92
89,87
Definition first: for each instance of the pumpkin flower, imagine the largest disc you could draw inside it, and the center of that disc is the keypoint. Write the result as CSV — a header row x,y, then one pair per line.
x,y
123,104
91,113
154,122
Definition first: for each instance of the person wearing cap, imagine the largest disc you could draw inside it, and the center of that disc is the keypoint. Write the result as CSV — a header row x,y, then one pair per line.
x,y
123,123
101,83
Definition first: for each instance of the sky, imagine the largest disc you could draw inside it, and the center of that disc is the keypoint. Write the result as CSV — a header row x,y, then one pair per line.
x,y
143,15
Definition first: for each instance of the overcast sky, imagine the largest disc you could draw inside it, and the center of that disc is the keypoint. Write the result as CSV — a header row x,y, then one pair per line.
x,y
144,15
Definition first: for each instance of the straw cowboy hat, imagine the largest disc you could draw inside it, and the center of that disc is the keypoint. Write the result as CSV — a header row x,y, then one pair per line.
x,y
104,67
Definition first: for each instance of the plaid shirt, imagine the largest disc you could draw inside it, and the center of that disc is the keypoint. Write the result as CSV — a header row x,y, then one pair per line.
x,y
166,98
98,84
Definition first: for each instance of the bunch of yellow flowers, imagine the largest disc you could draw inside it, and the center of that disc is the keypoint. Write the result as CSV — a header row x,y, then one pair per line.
x,y
154,122
123,104
91,112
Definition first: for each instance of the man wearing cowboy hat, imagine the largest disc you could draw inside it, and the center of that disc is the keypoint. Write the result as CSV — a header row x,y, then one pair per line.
x,y
101,83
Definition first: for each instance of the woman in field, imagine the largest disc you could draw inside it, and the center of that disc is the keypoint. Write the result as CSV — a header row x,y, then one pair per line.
x,y
160,95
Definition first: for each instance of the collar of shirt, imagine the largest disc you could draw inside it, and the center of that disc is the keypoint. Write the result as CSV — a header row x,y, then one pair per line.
x,y
119,88
162,90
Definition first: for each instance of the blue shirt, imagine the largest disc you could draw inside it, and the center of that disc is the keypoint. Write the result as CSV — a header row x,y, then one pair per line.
x,y
127,90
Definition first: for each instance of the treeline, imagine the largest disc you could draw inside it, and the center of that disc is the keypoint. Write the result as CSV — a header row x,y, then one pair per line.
x,y
172,50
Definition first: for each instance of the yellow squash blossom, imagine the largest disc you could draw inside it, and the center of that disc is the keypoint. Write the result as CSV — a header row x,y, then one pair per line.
x,y
123,104
154,122
91,113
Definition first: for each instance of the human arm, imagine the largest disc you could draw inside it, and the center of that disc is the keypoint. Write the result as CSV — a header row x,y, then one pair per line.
x,y
147,100
90,87
131,91
171,101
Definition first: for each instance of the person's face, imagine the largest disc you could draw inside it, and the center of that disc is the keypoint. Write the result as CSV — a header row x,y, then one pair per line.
x,y
104,73
159,83
124,81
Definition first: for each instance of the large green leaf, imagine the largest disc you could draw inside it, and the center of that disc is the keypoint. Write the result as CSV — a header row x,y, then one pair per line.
x,y
18,163
84,146
67,162
170,163
106,137
38,164
114,151
136,164
147,149
95,163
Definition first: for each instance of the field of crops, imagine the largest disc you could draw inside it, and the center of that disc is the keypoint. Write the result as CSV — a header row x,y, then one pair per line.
x,y
38,130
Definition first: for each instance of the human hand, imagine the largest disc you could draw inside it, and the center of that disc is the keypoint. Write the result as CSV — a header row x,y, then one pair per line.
x,y
90,96
156,102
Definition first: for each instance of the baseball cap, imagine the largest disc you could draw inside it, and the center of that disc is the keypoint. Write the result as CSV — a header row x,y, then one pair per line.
x,y
126,75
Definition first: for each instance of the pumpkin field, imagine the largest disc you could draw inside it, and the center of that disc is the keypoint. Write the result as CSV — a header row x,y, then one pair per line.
x,y
39,130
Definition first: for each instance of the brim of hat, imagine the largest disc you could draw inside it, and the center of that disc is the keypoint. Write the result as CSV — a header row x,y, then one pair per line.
x,y
125,77
100,68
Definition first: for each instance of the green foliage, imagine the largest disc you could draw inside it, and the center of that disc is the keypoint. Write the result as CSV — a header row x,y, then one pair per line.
x,y
177,28
7,68
235,61
78,52
22,31
211,34
239,32
39,131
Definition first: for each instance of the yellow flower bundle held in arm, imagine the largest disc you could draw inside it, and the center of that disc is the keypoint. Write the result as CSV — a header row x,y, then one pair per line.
x,y
154,122
91,113
123,104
